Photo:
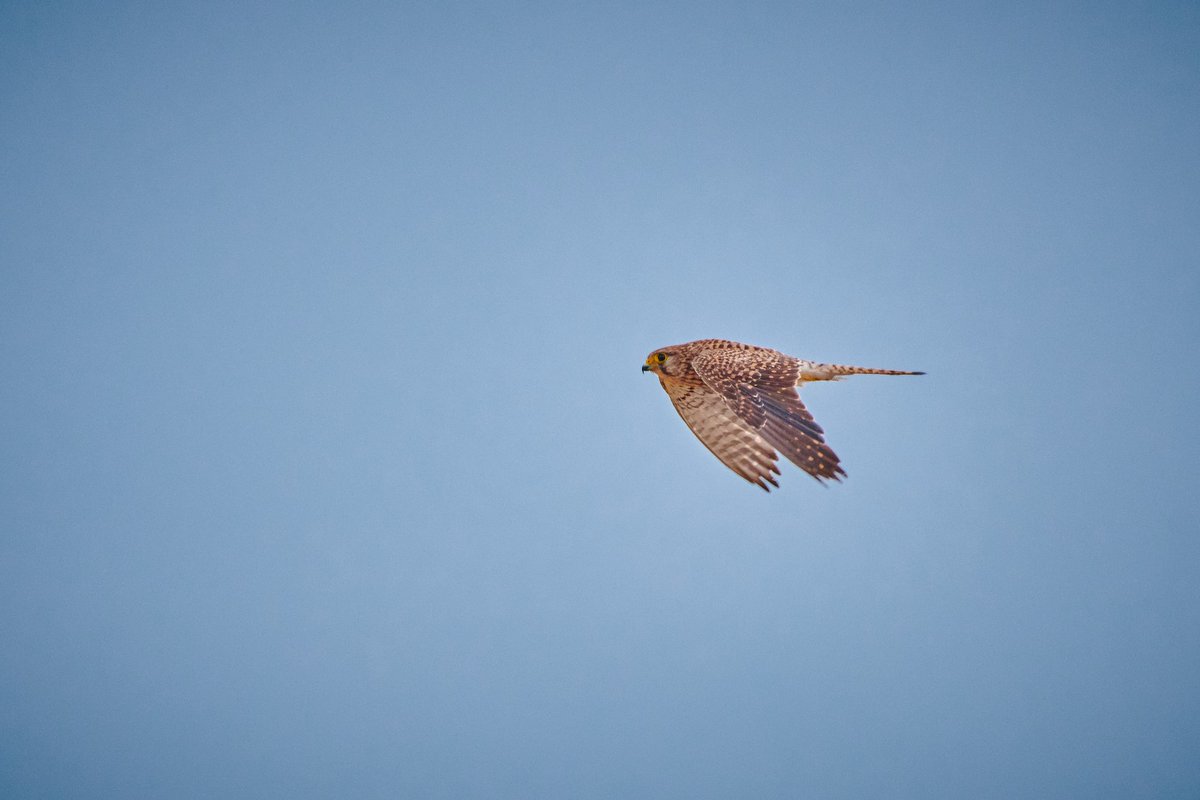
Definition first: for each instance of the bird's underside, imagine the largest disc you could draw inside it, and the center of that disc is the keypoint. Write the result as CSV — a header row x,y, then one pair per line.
x,y
741,402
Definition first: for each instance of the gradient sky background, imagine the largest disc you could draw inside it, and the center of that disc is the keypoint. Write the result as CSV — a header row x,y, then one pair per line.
x,y
328,468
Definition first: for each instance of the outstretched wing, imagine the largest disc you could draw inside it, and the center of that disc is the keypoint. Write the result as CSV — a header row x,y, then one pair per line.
x,y
759,387
725,434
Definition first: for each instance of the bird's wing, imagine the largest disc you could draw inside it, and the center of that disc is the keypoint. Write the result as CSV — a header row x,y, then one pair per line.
x,y
759,386
725,434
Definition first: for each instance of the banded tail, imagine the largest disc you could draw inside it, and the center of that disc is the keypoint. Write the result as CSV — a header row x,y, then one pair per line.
x,y
814,371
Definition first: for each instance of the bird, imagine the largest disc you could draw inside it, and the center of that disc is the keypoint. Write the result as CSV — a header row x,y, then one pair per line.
x,y
742,403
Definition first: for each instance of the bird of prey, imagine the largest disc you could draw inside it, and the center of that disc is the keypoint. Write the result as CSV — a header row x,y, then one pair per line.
x,y
742,404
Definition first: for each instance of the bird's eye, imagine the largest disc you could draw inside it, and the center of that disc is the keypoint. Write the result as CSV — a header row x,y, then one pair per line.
x,y
661,357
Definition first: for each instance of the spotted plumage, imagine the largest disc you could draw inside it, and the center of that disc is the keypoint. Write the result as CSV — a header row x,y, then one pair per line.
x,y
742,404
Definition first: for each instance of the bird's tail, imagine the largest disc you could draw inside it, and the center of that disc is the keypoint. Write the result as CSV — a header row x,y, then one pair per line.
x,y
813,371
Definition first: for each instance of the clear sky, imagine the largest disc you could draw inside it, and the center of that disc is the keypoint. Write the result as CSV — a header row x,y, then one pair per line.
x,y
327,468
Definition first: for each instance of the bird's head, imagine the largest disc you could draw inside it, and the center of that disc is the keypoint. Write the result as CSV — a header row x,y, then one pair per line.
x,y
663,362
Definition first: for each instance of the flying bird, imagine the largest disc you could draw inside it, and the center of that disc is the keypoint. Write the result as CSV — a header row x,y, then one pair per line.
x,y
741,402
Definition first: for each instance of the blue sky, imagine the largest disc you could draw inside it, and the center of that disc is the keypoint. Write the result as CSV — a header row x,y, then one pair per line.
x,y
328,468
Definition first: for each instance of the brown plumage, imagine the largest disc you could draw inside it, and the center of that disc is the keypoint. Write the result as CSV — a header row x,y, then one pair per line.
x,y
742,404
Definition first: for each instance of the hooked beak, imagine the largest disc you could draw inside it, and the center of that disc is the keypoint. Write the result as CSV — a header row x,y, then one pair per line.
x,y
645,368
